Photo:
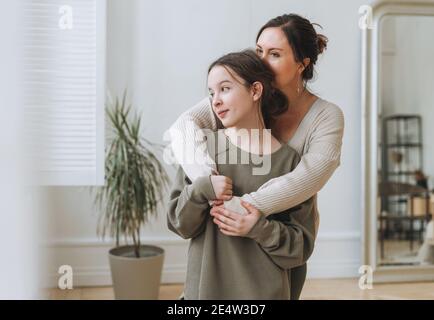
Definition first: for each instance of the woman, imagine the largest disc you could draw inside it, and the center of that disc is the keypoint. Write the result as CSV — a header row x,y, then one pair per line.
x,y
254,262
312,126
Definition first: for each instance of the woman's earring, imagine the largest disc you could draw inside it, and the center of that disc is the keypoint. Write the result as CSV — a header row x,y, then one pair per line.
x,y
298,88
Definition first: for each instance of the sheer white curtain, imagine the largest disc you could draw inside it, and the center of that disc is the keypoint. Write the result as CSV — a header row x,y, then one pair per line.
x,y
19,227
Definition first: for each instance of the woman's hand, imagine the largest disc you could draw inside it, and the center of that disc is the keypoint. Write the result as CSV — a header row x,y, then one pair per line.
x,y
233,224
222,186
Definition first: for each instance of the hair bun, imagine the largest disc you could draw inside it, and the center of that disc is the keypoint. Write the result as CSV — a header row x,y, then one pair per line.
x,y
322,43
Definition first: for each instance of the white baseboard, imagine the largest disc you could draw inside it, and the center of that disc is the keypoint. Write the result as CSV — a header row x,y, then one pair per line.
x,y
336,255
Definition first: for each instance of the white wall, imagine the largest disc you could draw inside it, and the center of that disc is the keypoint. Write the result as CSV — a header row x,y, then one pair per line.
x,y
161,51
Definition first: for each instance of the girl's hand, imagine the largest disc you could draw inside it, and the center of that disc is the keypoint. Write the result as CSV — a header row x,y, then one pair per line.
x,y
233,224
217,203
222,186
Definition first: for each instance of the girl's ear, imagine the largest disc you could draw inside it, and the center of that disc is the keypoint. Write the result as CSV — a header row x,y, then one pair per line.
x,y
257,89
303,65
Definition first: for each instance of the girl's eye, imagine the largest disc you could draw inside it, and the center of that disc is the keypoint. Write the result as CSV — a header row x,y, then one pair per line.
x,y
225,89
211,94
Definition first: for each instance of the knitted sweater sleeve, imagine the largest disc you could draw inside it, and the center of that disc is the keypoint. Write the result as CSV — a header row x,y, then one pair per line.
x,y
188,142
315,168
320,159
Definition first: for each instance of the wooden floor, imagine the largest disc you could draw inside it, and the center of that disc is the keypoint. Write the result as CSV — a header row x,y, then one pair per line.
x,y
314,289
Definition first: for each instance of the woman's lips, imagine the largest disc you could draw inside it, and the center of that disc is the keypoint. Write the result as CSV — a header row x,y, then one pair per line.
x,y
222,113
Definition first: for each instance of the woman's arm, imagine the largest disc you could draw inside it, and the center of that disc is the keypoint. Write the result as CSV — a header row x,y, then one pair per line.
x,y
188,206
310,175
312,172
187,142
288,237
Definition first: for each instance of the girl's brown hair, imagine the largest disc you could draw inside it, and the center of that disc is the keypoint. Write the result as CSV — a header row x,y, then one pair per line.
x,y
249,67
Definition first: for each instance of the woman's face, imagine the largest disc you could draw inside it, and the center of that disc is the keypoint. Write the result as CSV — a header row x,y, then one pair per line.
x,y
273,48
232,102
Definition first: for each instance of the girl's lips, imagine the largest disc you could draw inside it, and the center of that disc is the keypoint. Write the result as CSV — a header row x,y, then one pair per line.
x,y
222,114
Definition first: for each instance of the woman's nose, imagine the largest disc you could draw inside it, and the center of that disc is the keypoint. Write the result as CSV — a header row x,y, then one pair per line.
x,y
264,58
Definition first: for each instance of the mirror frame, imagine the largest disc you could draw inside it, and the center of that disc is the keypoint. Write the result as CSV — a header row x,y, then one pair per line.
x,y
371,101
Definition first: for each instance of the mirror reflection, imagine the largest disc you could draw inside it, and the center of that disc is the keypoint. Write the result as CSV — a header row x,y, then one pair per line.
x,y
406,154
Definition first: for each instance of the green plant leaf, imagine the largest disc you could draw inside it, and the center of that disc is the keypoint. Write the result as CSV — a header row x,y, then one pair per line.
x,y
135,178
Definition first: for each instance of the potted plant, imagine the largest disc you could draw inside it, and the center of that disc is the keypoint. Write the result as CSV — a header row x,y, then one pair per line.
x,y
134,185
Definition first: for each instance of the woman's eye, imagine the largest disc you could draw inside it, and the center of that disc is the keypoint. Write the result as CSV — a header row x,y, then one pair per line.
x,y
258,51
275,55
225,89
211,94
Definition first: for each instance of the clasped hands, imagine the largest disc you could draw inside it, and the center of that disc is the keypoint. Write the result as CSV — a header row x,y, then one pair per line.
x,y
229,222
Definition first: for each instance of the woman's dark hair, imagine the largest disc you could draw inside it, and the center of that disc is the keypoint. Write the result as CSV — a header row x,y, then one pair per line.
x,y
249,67
302,38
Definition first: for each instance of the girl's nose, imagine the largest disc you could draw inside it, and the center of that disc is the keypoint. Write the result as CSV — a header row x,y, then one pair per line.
x,y
216,101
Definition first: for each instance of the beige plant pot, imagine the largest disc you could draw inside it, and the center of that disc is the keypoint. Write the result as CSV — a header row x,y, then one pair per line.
x,y
136,278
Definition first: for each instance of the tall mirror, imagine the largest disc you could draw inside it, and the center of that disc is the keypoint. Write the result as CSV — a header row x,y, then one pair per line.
x,y
398,151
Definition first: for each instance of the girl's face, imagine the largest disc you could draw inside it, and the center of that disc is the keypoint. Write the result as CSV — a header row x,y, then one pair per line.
x,y
273,48
233,103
